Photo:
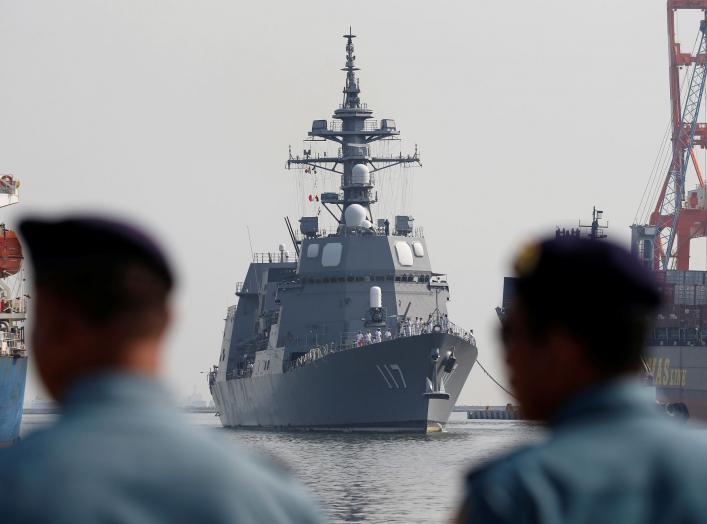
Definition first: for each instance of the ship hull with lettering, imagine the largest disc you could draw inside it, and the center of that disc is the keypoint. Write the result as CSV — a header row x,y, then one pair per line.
x,y
379,387
676,356
351,331
680,374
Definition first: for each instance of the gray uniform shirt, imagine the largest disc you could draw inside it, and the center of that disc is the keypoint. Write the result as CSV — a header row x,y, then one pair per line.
x,y
121,453
610,458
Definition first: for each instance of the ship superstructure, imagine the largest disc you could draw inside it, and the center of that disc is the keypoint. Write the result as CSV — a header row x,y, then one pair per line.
x,y
350,331
13,309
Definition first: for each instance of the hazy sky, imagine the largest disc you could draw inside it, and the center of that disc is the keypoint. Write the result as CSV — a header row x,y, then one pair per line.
x,y
179,114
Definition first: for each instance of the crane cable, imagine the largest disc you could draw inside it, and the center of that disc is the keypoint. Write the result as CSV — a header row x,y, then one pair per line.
x,y
494,380
661,160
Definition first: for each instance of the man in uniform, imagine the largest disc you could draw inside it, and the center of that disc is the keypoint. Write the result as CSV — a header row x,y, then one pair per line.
x,y
573,337
359,339
119,452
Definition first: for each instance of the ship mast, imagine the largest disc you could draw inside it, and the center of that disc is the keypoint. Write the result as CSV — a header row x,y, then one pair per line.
x,y
353,130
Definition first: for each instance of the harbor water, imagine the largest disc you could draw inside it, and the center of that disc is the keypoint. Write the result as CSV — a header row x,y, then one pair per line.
x,y
376,478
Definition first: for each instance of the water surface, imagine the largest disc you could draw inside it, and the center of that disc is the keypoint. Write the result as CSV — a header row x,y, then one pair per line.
x,y
378,478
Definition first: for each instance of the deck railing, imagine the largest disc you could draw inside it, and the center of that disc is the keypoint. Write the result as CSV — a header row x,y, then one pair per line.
x,y
12,344
351,340
274,257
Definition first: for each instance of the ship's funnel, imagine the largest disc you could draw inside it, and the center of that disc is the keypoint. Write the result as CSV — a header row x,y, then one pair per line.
x,y
376,297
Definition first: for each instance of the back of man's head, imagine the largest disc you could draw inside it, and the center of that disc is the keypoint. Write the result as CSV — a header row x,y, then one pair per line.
x,y
101,305
581,309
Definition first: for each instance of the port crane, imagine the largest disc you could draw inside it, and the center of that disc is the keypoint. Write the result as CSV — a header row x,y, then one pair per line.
x,y
679,215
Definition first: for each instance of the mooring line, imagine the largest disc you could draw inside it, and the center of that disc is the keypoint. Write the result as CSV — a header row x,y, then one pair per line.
x,y
493,379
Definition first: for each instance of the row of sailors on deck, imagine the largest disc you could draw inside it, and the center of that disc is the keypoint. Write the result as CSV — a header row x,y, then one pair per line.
x,y
408,328
363,339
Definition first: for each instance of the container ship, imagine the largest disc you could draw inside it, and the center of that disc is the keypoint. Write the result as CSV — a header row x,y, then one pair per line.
x,y
350,331
13,308
673,213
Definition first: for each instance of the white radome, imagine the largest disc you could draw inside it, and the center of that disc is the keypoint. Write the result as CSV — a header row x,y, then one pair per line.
x,y
355,215
360,175
376,297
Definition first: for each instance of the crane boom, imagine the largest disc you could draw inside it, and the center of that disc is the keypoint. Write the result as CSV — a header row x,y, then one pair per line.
x,y
673,192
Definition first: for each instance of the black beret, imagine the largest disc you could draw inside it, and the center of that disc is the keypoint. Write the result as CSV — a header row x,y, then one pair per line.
x,y
80,241
580,276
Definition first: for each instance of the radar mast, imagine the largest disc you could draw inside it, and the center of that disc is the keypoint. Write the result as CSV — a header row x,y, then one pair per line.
x,y
353,130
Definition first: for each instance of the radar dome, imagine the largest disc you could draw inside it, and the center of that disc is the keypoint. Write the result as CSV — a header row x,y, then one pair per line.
x,y
355,215
376,297
360,175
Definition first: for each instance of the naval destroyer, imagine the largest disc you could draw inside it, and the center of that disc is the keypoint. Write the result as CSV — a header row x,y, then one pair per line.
x,y
350,332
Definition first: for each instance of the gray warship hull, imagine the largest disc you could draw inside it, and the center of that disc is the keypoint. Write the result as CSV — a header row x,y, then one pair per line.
x,y
378,387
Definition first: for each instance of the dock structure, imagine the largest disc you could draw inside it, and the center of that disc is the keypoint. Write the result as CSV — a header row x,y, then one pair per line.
x,y
508,412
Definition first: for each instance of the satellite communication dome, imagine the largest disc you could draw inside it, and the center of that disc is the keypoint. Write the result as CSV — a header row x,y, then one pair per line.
x,y
355,215
361,175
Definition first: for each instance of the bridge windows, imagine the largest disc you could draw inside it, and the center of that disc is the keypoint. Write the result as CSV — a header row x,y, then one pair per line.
x,y
402,249
312,250
419,249
331,254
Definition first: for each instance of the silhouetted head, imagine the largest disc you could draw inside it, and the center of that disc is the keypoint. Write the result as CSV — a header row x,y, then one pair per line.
x,y
579,317
101,298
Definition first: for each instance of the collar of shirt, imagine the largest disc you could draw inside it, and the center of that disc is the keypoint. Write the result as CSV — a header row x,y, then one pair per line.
x,y
116,388
620,397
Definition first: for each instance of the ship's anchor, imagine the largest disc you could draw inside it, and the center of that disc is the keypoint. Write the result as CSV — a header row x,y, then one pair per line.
x,y
435,386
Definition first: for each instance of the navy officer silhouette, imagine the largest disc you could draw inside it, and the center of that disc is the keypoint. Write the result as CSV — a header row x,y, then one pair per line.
x,y
573,339
119,451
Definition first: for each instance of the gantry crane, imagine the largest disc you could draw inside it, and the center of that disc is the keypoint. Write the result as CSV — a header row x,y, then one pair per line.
x,y
679,216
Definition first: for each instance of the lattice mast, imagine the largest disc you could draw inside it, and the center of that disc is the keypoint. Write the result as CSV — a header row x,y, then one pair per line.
x,y
353,130
679,217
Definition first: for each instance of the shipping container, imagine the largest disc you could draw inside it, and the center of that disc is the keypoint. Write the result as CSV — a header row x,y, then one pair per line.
x,y
659,277
700,295
684,295
689,295
680,294
675,277
694,278
667,292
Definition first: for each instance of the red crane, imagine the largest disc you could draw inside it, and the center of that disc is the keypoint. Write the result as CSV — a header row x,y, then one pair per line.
x,y
678,216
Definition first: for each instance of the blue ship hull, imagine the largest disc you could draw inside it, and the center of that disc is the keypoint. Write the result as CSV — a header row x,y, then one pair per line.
x,y
13,373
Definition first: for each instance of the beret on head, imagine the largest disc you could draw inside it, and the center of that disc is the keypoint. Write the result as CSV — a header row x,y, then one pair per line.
x,y
84,241
579,276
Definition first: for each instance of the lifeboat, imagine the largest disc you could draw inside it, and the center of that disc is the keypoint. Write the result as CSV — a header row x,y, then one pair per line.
x,y
10,253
